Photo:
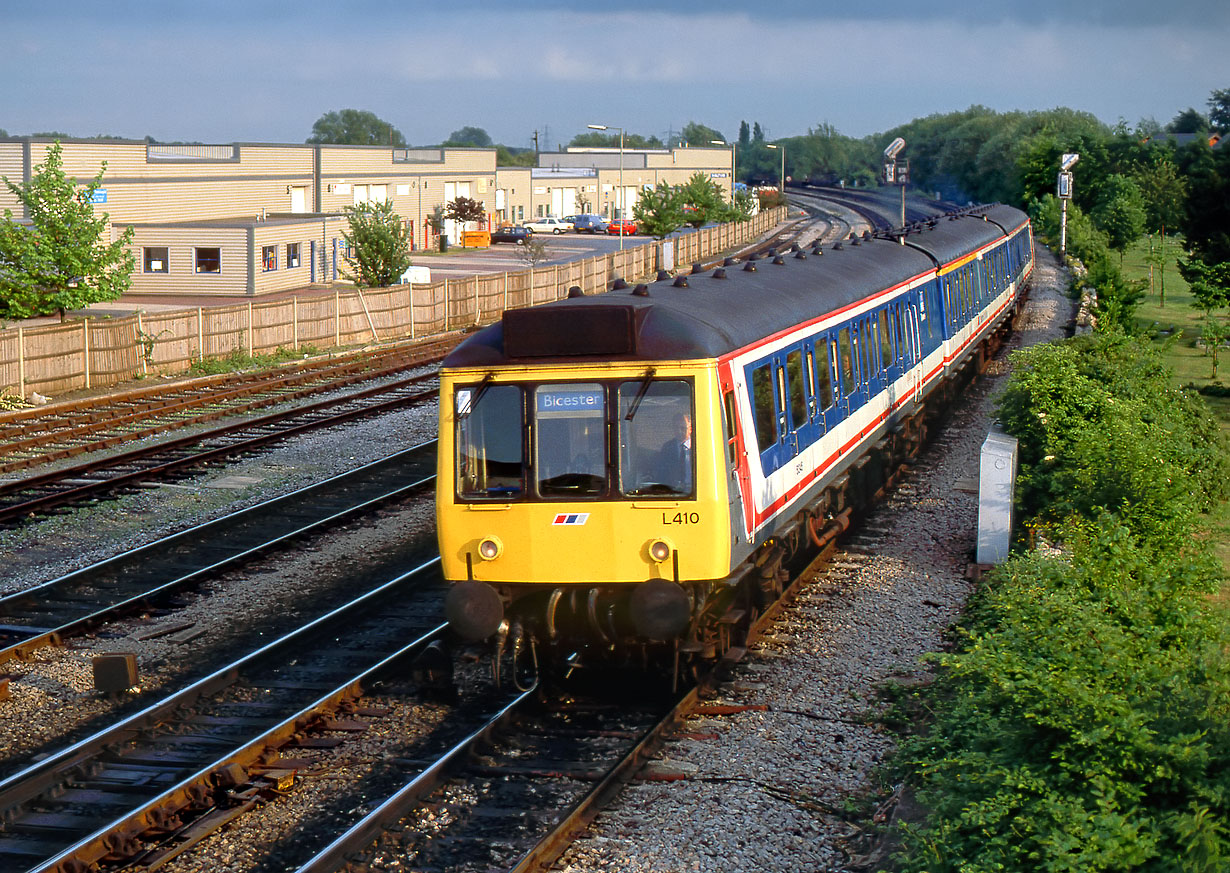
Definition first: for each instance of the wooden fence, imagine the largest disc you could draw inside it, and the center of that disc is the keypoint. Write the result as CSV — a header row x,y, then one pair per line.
x,y
97,352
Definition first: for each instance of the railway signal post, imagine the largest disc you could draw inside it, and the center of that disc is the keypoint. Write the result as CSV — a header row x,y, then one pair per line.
x,y
1065,194
897,173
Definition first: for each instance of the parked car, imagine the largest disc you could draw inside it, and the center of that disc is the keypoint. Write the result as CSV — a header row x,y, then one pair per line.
x,y
550,224
589,223
621,227
510,234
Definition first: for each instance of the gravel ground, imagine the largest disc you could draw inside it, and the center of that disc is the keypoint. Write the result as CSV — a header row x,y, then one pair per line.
x,y
787,783
774,786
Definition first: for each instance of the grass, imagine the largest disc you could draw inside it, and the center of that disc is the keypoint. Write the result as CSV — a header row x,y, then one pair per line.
x,y
1176,327
238,361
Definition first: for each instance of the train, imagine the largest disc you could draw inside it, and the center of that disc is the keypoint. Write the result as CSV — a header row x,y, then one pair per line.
x,y
629,475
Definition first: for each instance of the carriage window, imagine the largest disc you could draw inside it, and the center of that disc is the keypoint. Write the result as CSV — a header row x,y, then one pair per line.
x,y
847,361
731,436
798,393
886,343
656,454
763,407
569,444
489,442
824,382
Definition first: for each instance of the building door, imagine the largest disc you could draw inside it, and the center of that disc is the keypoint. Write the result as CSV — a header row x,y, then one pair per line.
x,y
298,199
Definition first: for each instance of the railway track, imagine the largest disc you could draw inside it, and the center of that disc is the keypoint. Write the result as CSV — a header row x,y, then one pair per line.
x,y
31,437
169,774
31,497
134,580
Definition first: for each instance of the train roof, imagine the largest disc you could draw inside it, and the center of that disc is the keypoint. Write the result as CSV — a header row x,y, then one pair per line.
x,y
712,313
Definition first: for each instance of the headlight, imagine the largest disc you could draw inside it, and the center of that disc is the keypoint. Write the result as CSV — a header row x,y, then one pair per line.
x,y
659,550
490,549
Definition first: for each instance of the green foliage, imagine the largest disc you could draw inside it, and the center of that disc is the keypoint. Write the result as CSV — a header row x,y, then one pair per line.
x,y
696,134
238,361
1164,193
355,127
378,245
59,261
1207,222
1209,283
707,201
602,139
1101,429
506,157
1190,120
1120,212
1082,725
1219,110
471,137
659,212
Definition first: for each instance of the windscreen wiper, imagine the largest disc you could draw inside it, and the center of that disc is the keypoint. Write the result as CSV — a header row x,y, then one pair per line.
x,y
640,395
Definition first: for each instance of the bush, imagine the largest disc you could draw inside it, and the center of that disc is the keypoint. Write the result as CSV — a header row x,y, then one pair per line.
x,y
1083,721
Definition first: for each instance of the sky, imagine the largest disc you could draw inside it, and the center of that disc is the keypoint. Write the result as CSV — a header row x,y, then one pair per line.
x,y
256,71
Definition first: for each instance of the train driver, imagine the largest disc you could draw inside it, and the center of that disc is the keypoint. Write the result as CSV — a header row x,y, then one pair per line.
x,y
675,459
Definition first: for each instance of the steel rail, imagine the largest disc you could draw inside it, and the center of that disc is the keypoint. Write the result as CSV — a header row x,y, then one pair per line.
x,y
46,501
45,775
139,559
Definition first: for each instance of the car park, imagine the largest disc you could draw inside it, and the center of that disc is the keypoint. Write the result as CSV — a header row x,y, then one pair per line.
x,y
621,227
510,234
587,222
549,224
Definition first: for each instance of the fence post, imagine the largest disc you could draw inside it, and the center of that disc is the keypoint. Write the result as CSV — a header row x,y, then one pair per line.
x,y
250,329
21,359
411,287
337,318
446,305
505,306
200,334
85,346
141,345
294,316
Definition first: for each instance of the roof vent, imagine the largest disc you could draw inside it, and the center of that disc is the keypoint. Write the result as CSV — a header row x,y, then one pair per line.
x,y
680,282
575,291
795,247
853,235
730,262
663,275
779,260
800,255
817,250
856,242
749,267
771,252
719,273
641,290
866,234
837,246
698,268
619,285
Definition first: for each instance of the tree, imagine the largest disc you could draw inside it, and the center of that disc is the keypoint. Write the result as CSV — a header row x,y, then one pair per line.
x,y
355,127
695,134
703,201
59,261
599,139
757,133
745,135
1164,194
473,137
1120,212
1190,120
377,244
1210,286
1219,110
1207,222
533,252
464,210
659,212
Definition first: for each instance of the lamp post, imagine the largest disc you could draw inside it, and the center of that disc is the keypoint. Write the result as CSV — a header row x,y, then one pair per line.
x,y
619,195
781,149
733,149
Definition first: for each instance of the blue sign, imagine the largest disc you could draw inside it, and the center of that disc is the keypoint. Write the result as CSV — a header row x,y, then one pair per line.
x,y
570,401
99,195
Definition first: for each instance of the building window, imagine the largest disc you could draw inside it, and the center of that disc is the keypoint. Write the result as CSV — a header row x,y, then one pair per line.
x,y
156,259
292,255
269,258
209,260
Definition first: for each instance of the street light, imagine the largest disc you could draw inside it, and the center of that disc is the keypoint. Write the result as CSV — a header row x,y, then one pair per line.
x,y
733,149
781,149
619,195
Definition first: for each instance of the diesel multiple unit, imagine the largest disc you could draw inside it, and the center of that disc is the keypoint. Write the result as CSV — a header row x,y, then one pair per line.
x,y
630,472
